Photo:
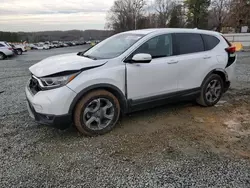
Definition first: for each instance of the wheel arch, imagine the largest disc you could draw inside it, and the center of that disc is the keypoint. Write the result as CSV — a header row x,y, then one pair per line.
x,y
3,54
108,87
222,73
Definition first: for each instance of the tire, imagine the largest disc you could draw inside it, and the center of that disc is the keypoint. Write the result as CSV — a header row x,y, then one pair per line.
x,y
211,91
96,113
2,56
19,52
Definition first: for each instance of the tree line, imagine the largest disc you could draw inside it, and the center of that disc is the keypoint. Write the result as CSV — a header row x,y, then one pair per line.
x,y
42,36
203,14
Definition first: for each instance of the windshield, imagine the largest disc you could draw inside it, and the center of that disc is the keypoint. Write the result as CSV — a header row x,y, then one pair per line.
x,y
113,46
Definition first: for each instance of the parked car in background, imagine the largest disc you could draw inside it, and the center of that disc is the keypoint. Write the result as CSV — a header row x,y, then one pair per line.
x,y
69,43
5,50
45,47
93,43
36,47
55,43
18,49
93,88
49,44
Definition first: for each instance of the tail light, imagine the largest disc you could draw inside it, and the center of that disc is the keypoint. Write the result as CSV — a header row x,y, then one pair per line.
x,y
10,48
231,49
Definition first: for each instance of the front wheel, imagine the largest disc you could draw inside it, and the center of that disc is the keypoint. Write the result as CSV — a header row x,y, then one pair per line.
x,y
97,113
211,91
2,56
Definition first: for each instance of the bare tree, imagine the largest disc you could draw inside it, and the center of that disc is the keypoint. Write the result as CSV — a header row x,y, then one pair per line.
x,y
125,15
220,12
239,13
163,8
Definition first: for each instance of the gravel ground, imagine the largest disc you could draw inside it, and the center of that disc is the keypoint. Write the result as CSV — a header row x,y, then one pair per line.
x,y
180,145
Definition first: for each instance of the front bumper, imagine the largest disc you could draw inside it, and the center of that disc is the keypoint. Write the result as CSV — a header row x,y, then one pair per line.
x,y
51,107
60,122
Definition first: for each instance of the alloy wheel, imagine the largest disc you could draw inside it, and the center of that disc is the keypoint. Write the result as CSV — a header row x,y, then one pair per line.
x,y
213,91
1,56
98,114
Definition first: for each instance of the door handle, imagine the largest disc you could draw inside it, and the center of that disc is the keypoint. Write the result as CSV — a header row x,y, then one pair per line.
x,y
173,62
206,57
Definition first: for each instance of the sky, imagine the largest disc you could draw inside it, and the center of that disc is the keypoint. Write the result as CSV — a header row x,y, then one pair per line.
x,y
47,15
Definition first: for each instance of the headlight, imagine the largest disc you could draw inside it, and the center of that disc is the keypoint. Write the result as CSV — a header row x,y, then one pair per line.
x,y
57,81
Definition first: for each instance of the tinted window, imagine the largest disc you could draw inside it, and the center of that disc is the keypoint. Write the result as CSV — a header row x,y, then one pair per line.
x,y
160,46
188,43
1,45
210,41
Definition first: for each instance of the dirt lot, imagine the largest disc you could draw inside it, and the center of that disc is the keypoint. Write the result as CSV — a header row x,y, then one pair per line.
x,y
180,145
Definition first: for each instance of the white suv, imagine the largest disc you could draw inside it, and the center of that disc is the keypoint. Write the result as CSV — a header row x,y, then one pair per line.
x,y
127,72
5,50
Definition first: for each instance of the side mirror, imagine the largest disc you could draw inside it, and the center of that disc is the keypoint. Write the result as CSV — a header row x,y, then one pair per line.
x,y
142,58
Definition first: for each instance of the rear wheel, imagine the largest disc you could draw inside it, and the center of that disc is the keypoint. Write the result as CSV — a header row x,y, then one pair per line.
x,y
2,56
211,91
19,52
97,113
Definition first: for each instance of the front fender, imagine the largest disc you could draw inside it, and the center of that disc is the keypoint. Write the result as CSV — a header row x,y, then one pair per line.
x,y
111,88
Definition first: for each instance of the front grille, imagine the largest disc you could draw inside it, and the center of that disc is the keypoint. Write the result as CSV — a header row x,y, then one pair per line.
x,y
34,86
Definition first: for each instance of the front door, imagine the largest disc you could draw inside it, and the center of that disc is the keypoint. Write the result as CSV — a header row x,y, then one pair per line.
x,y
158,77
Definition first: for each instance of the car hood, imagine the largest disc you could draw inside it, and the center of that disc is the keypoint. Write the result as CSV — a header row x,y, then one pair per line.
x,y
61,63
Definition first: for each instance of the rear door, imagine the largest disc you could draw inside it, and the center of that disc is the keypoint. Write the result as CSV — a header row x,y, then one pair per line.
x,y
195,59
192,59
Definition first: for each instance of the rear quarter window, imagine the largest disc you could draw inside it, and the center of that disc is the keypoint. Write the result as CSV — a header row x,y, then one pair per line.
x,y
210,41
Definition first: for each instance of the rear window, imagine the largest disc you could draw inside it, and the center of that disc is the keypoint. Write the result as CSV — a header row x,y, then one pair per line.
x,y
1,45
187,43
210,42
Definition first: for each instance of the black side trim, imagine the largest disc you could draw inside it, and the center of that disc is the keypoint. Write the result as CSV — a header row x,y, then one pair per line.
x,y
111,88
150,102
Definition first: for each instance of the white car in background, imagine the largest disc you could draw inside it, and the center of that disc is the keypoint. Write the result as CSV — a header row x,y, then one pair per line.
x,y
19,48
45,47
5,50
128,72
36,47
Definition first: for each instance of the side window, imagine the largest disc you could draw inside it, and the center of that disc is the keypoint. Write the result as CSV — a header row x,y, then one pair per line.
x,y
1,45
160,46
187,43
210,41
